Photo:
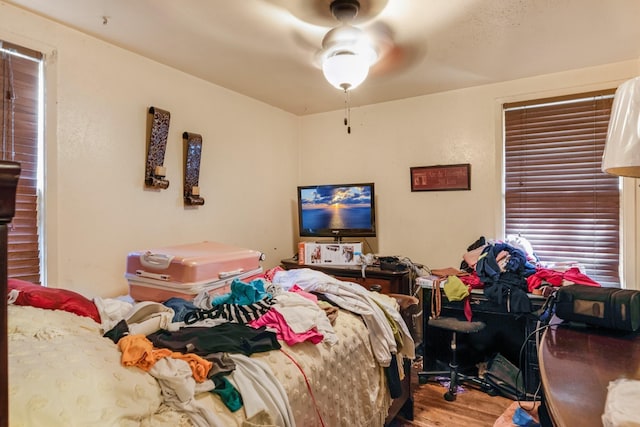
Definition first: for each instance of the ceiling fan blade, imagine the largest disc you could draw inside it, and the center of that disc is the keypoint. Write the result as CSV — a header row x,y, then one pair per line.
x,y
398,58
392,55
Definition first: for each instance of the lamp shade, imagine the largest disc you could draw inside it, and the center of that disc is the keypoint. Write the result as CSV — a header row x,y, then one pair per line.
x,y
622,148
345,70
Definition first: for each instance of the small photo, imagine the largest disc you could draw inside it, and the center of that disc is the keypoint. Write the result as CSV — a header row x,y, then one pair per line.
x,y
315,254
348,252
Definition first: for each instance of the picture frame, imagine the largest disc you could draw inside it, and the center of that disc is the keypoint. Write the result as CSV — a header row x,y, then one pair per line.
x,y
455,177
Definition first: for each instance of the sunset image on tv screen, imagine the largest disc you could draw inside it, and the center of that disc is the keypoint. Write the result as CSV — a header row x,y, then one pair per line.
x,y
325,207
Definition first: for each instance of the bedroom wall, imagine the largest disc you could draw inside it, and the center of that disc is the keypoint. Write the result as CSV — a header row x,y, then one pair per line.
x,y
254,155
462,126
97,209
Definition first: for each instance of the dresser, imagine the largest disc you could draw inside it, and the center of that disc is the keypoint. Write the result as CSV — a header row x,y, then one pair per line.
x,y
389,282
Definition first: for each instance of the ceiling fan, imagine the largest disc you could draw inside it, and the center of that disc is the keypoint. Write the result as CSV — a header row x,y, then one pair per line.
x,y
358,43
348,51
361,43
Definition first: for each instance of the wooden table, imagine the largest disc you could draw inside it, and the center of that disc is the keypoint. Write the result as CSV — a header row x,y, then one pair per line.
x,y
576,366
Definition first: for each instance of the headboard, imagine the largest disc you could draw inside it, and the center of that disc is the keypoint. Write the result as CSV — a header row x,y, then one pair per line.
x,y
9,175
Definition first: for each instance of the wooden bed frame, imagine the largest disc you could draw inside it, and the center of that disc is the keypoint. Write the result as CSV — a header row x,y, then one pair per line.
x,y
9,175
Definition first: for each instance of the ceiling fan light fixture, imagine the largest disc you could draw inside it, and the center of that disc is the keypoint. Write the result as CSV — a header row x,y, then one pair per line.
x,y
347,50
345,70
341,35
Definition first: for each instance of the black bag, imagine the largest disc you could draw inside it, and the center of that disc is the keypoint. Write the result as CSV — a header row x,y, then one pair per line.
x,y
391,263
612,308
505,377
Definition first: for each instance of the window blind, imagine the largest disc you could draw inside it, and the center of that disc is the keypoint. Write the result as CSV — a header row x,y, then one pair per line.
x,y
556,195
20,80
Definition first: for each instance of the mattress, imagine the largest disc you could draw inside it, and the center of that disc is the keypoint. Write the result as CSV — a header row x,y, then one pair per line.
x,y
62,372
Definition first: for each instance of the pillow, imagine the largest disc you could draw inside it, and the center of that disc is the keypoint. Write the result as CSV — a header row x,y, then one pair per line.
x,y
53,299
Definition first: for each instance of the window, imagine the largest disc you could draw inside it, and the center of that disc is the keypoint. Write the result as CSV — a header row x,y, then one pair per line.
x,y
556,195
21,71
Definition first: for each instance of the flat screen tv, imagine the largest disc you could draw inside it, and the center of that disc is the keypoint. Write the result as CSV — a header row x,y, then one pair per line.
x,y
337,210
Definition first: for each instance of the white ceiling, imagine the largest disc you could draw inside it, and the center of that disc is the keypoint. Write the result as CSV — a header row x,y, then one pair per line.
x,y
266,49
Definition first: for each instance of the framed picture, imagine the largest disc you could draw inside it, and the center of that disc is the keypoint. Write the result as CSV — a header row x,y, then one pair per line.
x,y
441,177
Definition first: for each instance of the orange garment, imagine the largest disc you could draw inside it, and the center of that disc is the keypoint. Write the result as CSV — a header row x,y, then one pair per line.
x,y
138,351
199,366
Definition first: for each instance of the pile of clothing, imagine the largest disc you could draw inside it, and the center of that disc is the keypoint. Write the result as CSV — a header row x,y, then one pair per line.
x,y
205,345
509,269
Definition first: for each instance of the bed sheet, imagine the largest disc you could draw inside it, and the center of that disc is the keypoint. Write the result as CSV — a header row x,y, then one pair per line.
x,y
63,372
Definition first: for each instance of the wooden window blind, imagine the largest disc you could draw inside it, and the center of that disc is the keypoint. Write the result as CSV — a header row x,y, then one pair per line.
x,y
20,70
556,195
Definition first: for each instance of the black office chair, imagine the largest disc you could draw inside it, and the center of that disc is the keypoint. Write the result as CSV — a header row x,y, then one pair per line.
x,y
456,326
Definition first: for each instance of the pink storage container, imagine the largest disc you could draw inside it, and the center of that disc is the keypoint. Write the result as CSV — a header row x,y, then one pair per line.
x,y
186,270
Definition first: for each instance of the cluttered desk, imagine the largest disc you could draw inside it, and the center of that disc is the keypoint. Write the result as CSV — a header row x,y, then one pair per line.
x,y
505,334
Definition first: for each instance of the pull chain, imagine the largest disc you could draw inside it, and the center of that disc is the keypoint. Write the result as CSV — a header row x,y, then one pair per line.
x,y
347,111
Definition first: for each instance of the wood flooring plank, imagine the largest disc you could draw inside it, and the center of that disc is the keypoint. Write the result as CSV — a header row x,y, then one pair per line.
x,y
472,408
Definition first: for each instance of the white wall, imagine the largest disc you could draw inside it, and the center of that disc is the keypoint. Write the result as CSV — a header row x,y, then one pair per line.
x,y
97,209
463,126
254,155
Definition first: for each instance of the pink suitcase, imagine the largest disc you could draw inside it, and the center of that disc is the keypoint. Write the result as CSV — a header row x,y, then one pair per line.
x,y
186,270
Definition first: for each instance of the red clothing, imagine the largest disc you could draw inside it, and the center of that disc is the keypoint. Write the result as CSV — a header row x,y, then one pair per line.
x,y
472,280
558,278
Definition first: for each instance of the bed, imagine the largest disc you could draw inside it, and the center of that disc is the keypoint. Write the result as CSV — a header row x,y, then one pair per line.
x,y
63,370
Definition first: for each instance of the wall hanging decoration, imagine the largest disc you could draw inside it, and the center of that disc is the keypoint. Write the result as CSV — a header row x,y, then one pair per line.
x,y
159,129
441,177
192,154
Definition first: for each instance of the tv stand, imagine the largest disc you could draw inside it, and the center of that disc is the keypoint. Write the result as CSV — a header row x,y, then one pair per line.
x,y
390,282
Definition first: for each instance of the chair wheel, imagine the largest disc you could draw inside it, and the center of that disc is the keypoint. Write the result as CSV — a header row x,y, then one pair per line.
x,y
492,392
449,397
422,379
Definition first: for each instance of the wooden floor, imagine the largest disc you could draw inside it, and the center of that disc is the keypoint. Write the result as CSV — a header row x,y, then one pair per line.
x,y
472,408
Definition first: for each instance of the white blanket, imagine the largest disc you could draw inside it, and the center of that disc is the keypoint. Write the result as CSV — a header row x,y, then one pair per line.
x,y
373,308
621,408
62,372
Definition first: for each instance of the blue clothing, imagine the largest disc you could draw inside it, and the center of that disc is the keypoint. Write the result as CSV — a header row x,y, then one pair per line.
x,y
489,271
506,287
243,293
180,306
522,419
229,395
